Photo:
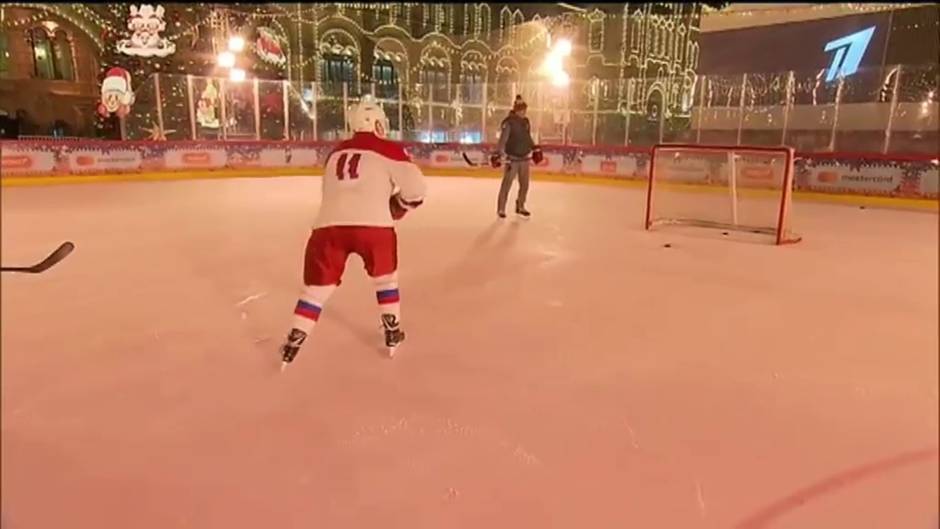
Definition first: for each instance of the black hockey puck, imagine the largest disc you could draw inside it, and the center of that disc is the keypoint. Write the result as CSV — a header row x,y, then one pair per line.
x,y
667,245
724,233
861,207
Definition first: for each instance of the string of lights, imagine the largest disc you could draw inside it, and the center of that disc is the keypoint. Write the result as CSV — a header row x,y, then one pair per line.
x,y
43,10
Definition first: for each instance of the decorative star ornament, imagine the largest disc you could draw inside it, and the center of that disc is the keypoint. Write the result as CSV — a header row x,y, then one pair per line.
x,y
157,133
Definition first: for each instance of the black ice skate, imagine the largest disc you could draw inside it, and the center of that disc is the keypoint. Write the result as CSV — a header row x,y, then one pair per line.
x,y
521,211
501,214
290,349
394,336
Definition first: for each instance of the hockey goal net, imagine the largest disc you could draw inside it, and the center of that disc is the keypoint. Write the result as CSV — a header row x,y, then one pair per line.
x,y
732,188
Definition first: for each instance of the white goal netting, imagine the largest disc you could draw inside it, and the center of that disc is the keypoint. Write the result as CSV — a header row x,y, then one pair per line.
x,y
733,188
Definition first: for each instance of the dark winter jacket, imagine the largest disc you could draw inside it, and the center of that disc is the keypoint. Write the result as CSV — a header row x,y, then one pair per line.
x,y
515,138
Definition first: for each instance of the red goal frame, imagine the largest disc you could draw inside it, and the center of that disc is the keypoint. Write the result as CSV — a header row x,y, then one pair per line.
x,y
786,193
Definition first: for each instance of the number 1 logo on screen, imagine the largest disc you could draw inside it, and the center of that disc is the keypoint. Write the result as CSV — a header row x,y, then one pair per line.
x,y
849,51
351,170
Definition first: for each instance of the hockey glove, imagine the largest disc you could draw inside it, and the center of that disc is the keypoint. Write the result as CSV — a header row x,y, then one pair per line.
x,y
496,160
537,156
395,206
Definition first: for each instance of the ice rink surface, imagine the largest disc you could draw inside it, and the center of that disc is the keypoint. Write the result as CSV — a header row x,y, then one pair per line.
x,y
563,372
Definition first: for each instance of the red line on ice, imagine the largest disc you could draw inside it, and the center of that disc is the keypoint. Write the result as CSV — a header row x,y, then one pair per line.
x,y
768,514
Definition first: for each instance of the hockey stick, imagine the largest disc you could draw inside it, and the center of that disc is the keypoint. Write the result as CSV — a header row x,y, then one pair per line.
x,y
47,263
470,162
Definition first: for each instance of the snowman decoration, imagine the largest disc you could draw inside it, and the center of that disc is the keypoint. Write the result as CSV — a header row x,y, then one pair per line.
x,y
116,94
206,107
146,24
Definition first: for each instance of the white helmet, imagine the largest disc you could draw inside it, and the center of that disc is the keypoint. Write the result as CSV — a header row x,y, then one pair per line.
x,y
368,116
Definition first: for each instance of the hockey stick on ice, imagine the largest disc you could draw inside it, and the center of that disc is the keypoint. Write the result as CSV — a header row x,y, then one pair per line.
x,y
47,263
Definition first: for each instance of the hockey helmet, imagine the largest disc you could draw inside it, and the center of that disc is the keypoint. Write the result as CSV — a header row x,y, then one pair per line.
x,y
368,116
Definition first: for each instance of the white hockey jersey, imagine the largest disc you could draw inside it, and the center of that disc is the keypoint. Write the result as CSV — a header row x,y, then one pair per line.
x,y
360,175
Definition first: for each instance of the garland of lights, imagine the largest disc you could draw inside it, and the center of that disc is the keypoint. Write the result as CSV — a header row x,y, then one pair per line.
x,y
481,14
538,38
44,9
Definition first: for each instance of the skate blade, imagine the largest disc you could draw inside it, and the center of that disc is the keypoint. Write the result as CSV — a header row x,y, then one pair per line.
x,y
284,366
391,351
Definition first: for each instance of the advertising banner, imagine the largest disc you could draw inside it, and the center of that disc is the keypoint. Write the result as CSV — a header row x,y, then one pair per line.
x,y
272,157
27,161
756,171
830,172
689,169
306,157
104,160
874,180
195,158
930,182
622,166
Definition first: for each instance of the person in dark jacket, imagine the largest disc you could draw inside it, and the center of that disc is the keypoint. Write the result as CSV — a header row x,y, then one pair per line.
x,y
516,145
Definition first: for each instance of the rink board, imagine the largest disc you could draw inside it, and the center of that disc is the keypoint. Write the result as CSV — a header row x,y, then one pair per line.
x,y
849,199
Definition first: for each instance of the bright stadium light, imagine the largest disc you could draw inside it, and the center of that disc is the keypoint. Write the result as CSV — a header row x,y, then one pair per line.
x,y
561,78
226,59
236,75
236,44
552,64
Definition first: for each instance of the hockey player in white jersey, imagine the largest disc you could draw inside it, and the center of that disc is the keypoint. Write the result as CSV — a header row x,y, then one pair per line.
x,y
368,183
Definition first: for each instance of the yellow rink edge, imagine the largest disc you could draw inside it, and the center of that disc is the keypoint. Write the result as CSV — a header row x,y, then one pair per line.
x,y
858,200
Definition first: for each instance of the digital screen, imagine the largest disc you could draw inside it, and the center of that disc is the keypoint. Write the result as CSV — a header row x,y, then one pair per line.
x,y
840,44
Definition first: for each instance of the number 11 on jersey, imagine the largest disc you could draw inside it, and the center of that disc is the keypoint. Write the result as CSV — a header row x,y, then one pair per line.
x,y
353,167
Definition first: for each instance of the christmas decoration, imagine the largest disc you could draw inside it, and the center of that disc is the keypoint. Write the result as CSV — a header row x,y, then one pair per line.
x,y
268,47
156,133
146,24
116,94
206,113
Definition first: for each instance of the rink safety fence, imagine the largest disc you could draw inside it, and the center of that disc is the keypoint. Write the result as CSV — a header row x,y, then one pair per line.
x,y
25,162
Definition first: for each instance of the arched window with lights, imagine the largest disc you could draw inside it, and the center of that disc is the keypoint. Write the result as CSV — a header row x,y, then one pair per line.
x,y
507,74
338,66
637,30
62,53
596,31
517,21
43,62
434,73
473,68
385,75
52,55
653,38
505,23
485,20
